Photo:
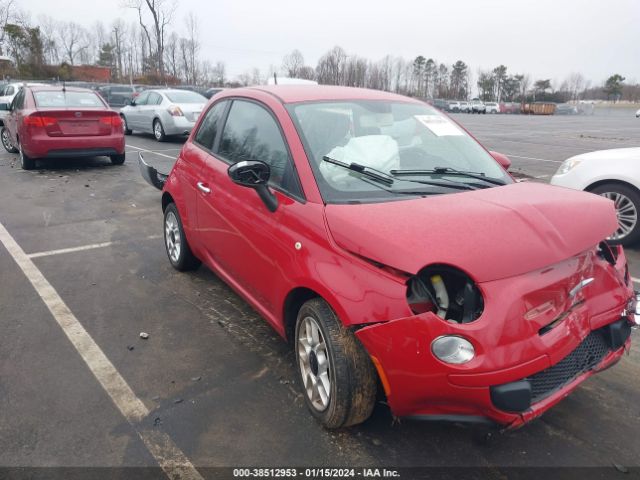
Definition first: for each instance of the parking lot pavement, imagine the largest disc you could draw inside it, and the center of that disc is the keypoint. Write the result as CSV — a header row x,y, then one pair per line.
x,y
213,377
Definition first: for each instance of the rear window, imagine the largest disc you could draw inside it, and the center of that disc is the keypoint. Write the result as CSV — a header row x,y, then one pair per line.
x,y
185,97
122,89
67,99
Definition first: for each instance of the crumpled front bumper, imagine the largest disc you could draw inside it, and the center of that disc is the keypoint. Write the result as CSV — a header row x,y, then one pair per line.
x,y
508,348
419,385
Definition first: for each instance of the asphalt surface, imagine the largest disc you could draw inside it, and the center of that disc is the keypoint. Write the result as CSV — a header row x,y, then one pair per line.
x,y
212,376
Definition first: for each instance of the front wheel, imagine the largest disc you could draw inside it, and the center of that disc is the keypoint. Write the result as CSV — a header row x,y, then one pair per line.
x,y
338,377
175,241
627,203
6,141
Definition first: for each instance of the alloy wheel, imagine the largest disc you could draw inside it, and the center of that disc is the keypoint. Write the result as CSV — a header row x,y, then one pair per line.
x,y
6,141
157,130
315,364
172,237
626,212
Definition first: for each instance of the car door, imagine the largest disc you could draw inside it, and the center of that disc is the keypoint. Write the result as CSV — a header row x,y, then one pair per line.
x,y
148,111
238,233
133,113
14,119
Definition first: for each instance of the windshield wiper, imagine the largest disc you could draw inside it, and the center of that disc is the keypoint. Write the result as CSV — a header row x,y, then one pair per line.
x,y
448,171
387,179
369,172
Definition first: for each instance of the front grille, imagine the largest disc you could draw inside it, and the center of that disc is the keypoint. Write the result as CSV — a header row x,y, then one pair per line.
x,y
587,355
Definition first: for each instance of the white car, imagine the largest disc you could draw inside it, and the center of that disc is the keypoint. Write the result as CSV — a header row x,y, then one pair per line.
x,y
614,174
7,92
638,113
492,107
163,112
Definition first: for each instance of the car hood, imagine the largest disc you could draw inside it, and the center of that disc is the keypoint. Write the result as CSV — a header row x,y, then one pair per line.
x,y
631,154
491,234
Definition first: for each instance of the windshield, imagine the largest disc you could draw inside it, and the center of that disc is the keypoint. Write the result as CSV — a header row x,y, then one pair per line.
x,y
185,97
412,143
49,99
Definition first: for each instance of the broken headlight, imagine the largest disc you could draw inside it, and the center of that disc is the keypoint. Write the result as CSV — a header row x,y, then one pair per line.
x,y
446,291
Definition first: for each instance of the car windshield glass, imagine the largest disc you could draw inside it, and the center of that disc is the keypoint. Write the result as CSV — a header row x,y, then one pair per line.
x,y
48,99
185,97
385,136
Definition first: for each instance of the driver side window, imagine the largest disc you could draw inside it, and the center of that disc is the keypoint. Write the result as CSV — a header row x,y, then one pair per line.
x,y
142,98
251,133
18,100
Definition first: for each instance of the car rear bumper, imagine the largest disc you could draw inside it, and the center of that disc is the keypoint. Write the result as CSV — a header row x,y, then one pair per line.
x,y
43,146
177,125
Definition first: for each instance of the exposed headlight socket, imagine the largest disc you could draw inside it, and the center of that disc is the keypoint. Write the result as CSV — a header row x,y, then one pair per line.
x,y
447,292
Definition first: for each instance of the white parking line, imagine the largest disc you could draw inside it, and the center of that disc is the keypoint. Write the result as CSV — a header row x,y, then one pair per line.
x,y
170,458
151,151
635,280
81,248
533,158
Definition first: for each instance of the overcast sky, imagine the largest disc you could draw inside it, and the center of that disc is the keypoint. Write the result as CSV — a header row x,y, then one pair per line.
x,y
546,38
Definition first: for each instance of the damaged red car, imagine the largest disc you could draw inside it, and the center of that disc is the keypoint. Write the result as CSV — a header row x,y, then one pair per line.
x,y
394,252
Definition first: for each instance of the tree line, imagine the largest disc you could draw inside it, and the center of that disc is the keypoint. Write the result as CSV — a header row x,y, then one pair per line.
x,y
160,48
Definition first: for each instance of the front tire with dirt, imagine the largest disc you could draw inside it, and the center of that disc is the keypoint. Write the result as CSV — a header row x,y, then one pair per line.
x,y
337,375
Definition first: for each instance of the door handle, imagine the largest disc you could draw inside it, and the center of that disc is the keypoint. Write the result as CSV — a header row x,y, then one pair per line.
x,y
202,188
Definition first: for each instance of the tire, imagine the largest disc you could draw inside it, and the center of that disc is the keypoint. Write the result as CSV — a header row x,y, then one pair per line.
x,y
26,163
125,125
331,359
175,241
6,141
118,159
627,202
158,131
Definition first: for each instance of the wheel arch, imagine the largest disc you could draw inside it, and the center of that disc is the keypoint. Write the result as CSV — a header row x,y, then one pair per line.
x,y
292,304
599,183
166,200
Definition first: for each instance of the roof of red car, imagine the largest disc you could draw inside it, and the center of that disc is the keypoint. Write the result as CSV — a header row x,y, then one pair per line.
x,y
57,88
308,93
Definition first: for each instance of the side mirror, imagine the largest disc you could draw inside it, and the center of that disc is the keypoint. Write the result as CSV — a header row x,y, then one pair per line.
x,y
132,102
4,107
502,159
254,174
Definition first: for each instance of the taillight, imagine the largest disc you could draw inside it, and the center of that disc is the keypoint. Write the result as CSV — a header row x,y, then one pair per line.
x,y
175,111
111,120
39,121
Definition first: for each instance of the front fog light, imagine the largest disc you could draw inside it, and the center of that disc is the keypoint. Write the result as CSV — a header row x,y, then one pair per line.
x,y
452,349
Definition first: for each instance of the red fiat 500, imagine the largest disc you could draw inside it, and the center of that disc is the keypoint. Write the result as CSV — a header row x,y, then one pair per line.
x,y
392,249
58,122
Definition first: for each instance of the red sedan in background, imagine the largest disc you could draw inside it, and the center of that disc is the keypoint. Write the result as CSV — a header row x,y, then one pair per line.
x,y
59,122
390,248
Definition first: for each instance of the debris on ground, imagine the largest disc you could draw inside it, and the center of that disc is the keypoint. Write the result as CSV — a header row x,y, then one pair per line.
x,y
144,335
178,400
196,379
130,347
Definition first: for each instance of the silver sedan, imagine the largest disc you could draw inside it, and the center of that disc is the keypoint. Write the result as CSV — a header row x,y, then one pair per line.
x,y
163,112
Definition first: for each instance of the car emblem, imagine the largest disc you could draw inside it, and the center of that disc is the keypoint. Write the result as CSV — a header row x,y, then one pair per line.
x,y
574,291
78,114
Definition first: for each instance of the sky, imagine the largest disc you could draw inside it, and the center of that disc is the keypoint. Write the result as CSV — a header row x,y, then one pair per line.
x,y
545,38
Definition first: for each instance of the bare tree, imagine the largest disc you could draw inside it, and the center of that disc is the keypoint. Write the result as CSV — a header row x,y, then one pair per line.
x,y
171,51
73,40
193,47
6,9
219,74
292,63
48,28
161,13
331,66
